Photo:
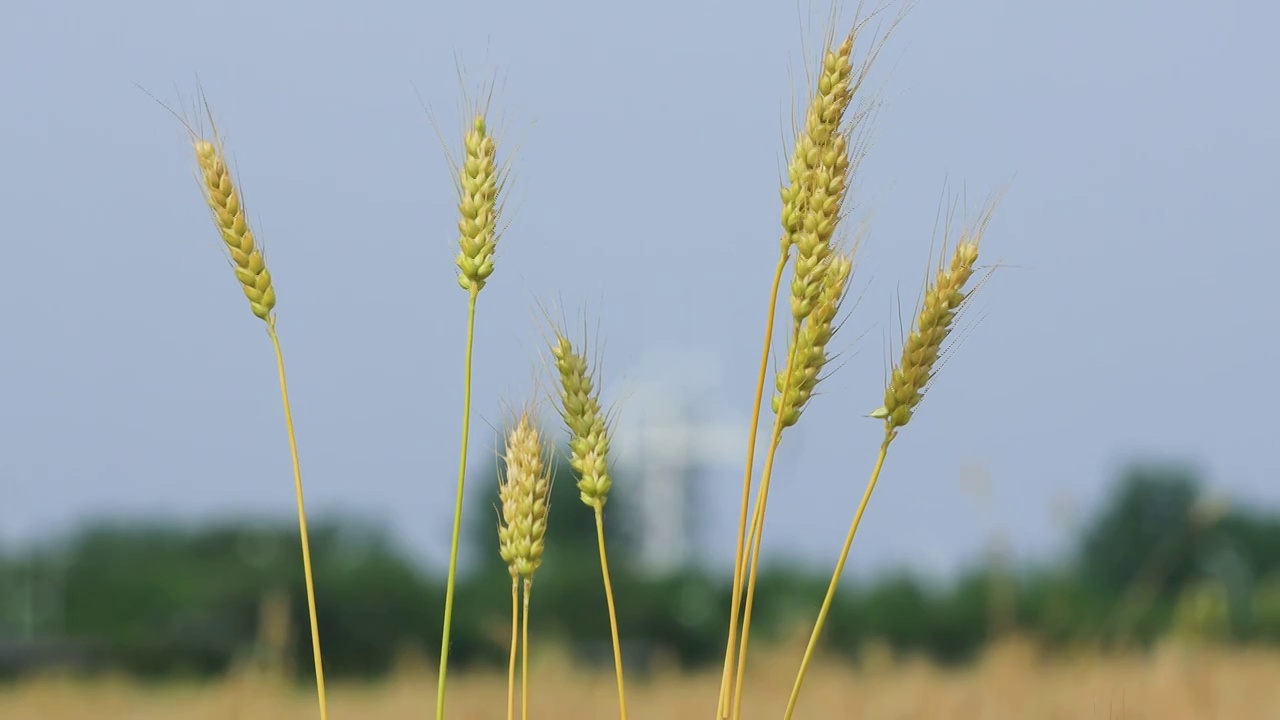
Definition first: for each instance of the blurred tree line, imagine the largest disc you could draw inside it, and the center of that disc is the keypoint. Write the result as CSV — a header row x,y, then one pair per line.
x,y
164,599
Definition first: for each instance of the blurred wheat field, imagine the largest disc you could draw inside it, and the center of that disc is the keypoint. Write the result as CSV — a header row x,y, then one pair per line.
x,y
1173,683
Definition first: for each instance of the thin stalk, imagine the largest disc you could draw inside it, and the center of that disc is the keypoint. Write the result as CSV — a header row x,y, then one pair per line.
x,y
757,533
735,701
613,614
515,639
524,653
835,577
739,561
302,525
457,510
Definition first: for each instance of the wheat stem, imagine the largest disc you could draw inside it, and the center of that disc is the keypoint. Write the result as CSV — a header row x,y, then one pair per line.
x,y
523,490
613,613
835,577
229,217
302,525
524,653
588,455
739,560
457,511
735,701
515,639
757,534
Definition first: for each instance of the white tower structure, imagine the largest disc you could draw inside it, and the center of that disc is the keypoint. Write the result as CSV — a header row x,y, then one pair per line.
x,y
671,432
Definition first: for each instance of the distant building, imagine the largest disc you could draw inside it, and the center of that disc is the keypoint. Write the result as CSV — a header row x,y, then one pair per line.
x,y
671,431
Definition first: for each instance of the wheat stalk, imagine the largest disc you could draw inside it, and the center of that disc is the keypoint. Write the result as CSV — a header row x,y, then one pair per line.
x,y
944,298
812,199
479,180
521,532
250,268
807,356
814,195
579,405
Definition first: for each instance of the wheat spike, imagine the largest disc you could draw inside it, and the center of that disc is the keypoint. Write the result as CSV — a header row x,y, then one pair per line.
x,y
479,182
523,492
588,426
812,209
942,299
228,214
813,148
810,346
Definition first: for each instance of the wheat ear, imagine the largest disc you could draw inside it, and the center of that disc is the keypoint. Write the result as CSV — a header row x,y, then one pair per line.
x,y
523,492
589,457
479,180
251,270
944,297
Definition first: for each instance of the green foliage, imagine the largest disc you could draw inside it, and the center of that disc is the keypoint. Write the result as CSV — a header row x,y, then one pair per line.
x,y
1147,528
1202,613
164,599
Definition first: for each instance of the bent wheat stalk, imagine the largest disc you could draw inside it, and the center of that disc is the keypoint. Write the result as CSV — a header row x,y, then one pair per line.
x,y
255,280
796,383
588,456
943,299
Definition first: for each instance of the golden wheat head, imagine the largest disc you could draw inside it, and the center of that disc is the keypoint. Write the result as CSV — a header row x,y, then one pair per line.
x,y
229,216
588,426
943,298
818,142
523,492
479,182
810,348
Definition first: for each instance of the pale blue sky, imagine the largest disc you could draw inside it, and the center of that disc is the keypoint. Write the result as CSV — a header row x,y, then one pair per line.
x,y
1142,139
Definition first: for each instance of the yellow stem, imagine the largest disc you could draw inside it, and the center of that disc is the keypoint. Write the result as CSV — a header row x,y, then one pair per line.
x,y
757,527
722,708
757,532
524,653
835,577
302,525
613,615
515,638
457,510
